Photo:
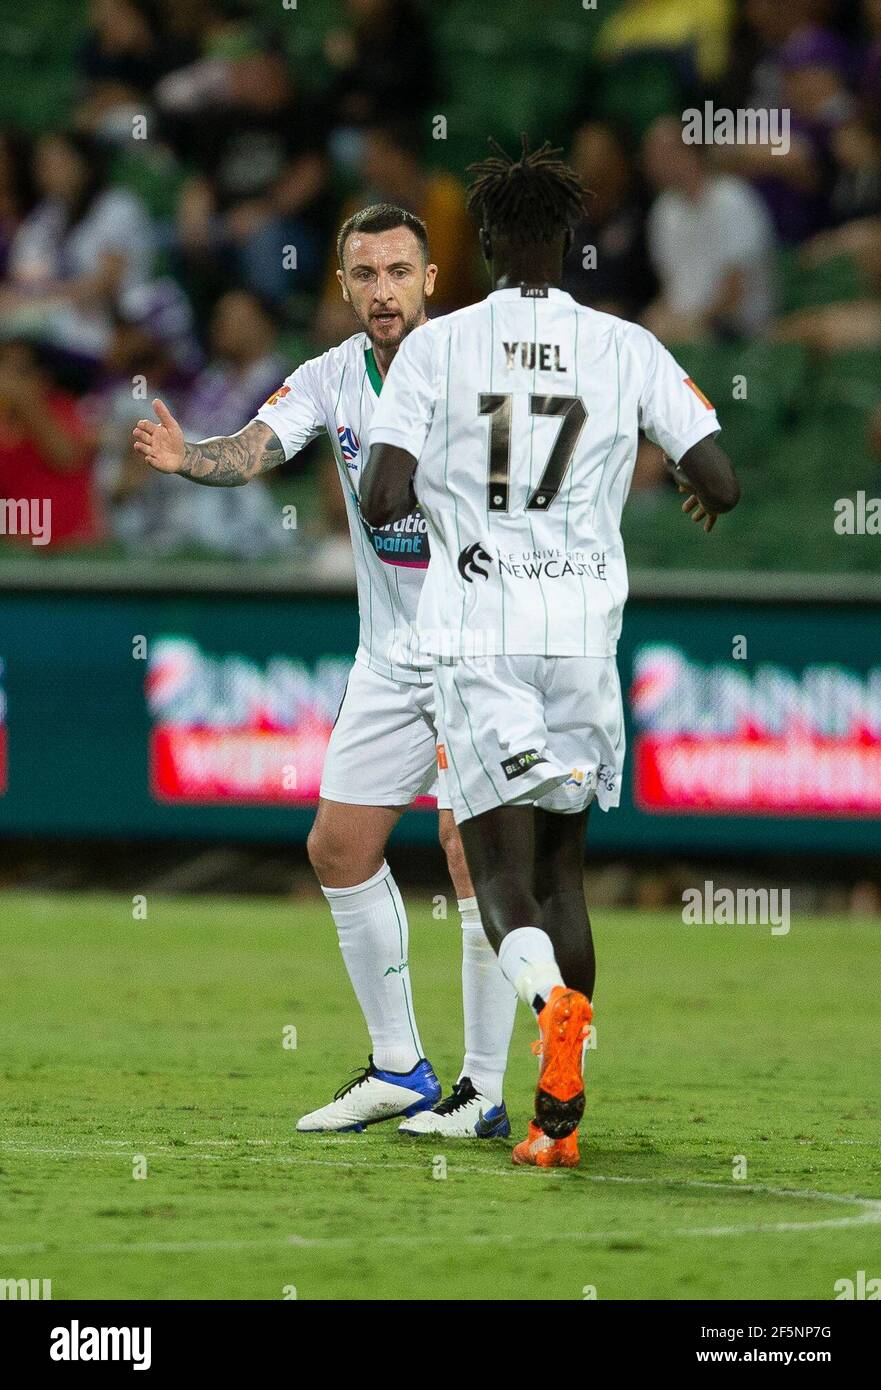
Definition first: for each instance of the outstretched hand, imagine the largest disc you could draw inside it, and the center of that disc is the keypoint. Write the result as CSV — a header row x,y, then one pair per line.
x,y
161,441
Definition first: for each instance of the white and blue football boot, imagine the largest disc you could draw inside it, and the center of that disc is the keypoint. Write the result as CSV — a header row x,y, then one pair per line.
x,y
373,1096
465,1114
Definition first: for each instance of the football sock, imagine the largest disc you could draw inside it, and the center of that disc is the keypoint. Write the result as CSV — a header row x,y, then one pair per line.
x,y
488,1003
526,956
371,923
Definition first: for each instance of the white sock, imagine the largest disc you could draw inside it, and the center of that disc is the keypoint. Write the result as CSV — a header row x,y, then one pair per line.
x,y
488,1003
371,924
526,956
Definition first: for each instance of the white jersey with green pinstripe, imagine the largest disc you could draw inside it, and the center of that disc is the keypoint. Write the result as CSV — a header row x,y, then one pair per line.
x,y
523,412
337,393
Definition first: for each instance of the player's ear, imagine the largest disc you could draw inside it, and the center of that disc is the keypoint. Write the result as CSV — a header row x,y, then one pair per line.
x,y
486,245
342,280
430,277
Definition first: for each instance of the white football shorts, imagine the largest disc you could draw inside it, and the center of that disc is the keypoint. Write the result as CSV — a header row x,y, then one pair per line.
x,y
382,750
529,729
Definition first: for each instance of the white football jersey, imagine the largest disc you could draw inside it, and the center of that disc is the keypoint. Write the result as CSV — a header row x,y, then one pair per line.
x,y
338,392
523,412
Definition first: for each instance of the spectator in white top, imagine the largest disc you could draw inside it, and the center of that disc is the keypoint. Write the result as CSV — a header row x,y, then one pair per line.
x,y
83,245
711,243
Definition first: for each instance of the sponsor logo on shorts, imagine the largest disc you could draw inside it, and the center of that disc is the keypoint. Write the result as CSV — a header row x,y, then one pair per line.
x,y
606,777
468,561
579,780
521,762
442,757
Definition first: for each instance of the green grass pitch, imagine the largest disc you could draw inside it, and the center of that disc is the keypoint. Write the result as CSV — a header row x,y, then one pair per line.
x,y
163,1038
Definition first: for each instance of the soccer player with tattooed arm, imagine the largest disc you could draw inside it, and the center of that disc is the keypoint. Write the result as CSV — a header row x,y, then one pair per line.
x,y
381,754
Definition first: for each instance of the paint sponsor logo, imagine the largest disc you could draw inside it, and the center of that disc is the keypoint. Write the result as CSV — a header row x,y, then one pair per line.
x,y
403,542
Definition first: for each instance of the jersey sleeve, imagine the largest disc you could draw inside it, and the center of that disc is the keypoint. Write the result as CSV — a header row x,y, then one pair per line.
x,y
405,410
294,411
673,411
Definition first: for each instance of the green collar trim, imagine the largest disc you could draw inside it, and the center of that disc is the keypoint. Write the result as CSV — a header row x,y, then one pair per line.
x,y
373,371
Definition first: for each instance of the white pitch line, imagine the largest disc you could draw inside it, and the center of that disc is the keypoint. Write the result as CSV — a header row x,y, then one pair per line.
x,y
175,1151
869,1213
193,1247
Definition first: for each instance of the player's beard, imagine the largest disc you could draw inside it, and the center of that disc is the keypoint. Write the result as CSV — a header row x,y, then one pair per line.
x,y
392,337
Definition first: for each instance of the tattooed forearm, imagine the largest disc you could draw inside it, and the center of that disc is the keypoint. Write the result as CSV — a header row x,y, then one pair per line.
x,y
230,460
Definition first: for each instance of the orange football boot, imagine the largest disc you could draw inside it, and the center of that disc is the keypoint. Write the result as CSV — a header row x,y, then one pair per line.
x,y
529,1148
564,1023
540,1151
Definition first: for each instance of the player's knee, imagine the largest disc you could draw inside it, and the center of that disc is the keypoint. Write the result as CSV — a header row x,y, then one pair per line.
x,y
341,860
329,855
507,902
318,851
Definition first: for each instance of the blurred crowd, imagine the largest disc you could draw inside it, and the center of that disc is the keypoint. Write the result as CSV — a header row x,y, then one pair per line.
x,y
107,300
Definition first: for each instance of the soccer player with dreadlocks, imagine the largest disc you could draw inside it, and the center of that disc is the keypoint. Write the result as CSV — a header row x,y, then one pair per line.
x,y
516,421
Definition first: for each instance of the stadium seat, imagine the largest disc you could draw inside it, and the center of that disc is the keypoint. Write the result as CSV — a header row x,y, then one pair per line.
x,y
851,380
637,89
755,388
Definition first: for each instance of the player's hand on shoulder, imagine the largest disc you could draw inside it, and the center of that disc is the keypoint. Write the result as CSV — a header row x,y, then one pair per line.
x,y
160,441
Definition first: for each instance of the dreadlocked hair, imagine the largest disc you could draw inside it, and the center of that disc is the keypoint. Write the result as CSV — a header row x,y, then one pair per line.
x,y
531,199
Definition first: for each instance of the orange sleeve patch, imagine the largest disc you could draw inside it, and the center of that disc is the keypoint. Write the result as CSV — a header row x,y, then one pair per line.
x,y
699,393
276,395
442,757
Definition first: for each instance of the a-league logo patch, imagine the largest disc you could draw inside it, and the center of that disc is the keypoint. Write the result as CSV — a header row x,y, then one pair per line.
x,y
521,762
441,757
350,444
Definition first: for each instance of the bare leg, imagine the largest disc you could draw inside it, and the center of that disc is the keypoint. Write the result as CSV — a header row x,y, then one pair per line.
x,y
346,844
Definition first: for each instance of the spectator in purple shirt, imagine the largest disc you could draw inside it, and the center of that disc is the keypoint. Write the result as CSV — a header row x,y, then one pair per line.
x,y
812,66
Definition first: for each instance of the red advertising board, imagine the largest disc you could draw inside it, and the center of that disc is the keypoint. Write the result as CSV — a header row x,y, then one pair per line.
x,y
762,741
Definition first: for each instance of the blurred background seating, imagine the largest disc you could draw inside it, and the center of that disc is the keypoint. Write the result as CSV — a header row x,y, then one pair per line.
x,y
160,158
